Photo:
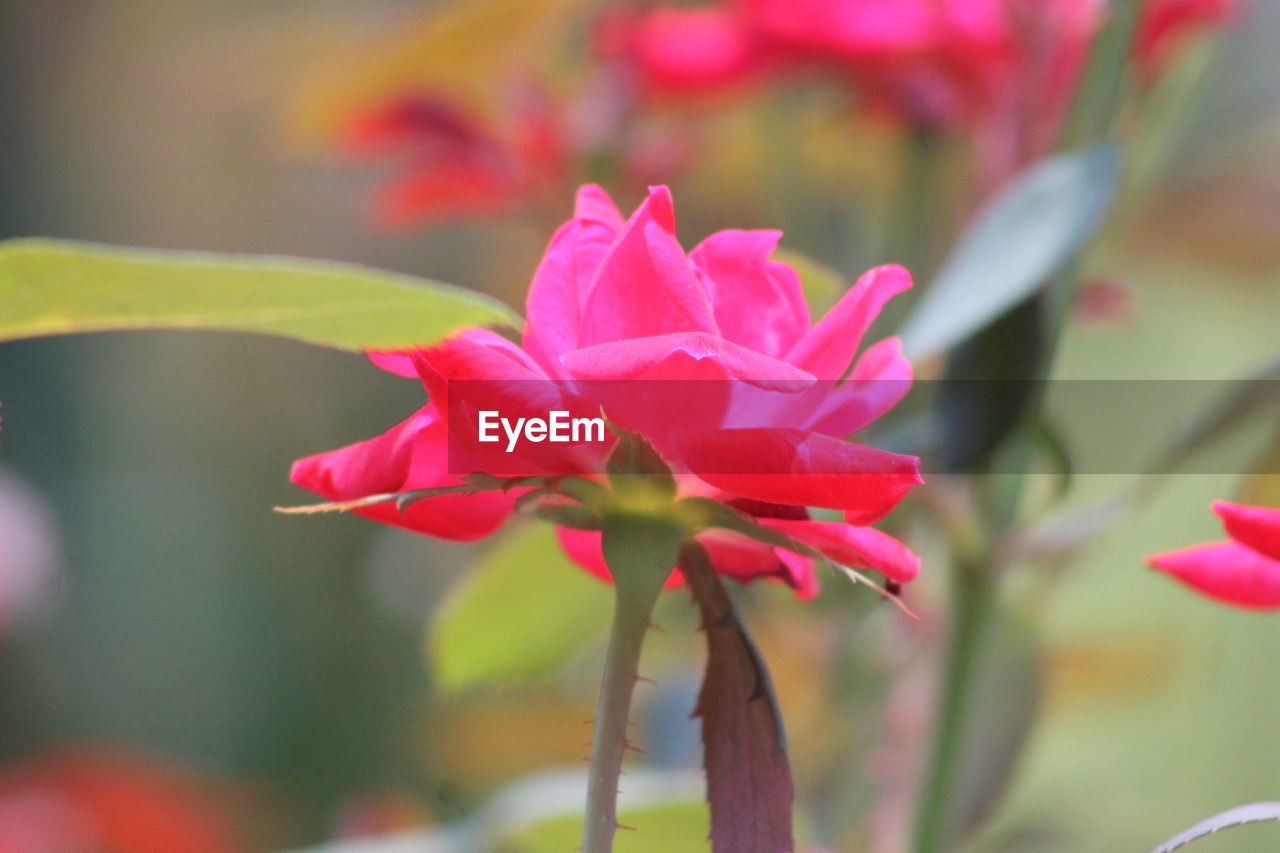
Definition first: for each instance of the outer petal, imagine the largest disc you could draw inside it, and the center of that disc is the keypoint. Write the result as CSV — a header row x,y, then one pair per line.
x,y
399,362
789,466
1227,572
827,349
480,371
758,303
645,285
560,284
880,379
1256,527
408,456
856,547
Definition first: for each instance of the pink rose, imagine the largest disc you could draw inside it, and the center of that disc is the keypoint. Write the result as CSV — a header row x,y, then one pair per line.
x,y
710,355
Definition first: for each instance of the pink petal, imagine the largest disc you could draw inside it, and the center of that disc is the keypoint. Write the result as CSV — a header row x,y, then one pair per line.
x,y
560,284
480,371
758,303
1225,571
645,285
881,377
683,356
800,575
399,362
855,547
688,380
827,349
593,205
410,455
1256,527
790,466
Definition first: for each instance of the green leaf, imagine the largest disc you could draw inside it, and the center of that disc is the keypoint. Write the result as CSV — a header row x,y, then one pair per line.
x,y
1028,231
56,287
523,610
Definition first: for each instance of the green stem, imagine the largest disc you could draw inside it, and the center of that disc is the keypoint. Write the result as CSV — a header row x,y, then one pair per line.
x,y
609,745
970,609
640,553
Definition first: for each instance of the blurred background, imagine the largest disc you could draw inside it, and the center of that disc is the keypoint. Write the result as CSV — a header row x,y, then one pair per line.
x,y
197,673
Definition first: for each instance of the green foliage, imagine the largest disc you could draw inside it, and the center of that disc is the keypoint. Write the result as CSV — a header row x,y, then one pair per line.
x,y
673,827
1027,232
522,611
55,287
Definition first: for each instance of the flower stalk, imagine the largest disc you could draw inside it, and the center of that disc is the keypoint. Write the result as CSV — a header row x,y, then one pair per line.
x,y
973,596
641,552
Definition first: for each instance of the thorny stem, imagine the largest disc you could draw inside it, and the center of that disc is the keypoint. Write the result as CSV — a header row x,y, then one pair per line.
x,y
640,553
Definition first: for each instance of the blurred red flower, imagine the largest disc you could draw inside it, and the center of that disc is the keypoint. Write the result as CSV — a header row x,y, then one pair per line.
x,y
90,802
710,355
1244,571
453,164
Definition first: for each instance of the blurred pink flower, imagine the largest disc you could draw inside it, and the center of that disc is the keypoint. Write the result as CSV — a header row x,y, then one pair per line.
x,y
710,355
1244,571
1007,69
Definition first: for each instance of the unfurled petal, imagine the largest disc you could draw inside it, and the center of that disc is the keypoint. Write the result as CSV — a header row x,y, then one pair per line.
x,y
559,289
411,455
880,379
791,466
1256,527
757,302
1226,571
827,349
480,374
400,362
855,547
645,285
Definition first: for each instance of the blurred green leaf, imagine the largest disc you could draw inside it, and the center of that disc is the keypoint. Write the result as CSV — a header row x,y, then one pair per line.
x,y
55,287
1260,392
822,285
523,610
1007,688
1029,230
1234,817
